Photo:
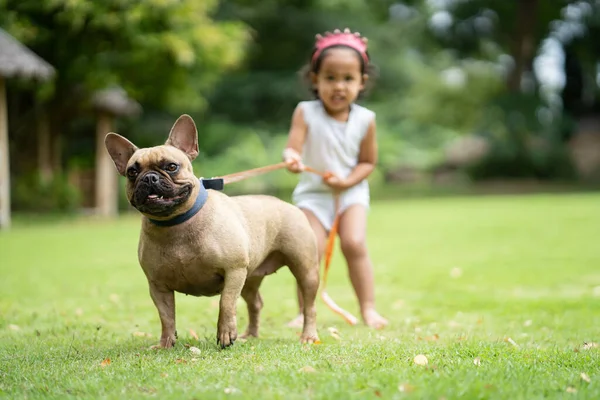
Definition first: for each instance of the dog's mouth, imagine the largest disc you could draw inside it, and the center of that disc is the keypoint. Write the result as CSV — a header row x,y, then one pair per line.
x,y
160,200
156,198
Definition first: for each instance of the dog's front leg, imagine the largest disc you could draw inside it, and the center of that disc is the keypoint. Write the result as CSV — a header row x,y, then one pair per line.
x,y
164,300
232,287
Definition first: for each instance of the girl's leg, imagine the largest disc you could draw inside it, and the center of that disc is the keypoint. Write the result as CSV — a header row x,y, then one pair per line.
x,y
352,232
321,235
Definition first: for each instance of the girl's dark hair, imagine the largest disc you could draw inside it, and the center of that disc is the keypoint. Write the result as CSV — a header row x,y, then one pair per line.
x,y
365,68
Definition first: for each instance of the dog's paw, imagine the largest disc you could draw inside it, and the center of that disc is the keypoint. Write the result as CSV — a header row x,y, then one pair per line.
x,y
226,334
309,338
249,334
165,343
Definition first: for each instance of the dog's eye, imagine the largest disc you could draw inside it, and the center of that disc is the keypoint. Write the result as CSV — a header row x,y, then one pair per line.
x,y
132,172
172,167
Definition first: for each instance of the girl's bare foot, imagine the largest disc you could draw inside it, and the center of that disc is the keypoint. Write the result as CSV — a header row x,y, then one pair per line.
x,y
297,322
373,320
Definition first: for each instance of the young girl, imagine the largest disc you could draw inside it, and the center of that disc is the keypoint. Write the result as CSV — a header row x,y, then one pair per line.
x,y
334,134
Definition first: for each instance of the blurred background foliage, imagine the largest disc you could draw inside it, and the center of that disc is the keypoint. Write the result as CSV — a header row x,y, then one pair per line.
x,y
466,90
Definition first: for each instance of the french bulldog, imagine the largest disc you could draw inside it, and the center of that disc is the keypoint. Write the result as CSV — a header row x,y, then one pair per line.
x,y
201,242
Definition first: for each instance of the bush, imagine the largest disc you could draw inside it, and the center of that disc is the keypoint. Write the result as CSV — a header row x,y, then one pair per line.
x,y
31,193
522,147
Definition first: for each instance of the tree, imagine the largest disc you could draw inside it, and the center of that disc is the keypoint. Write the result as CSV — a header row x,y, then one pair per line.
x,y
483,28
165,54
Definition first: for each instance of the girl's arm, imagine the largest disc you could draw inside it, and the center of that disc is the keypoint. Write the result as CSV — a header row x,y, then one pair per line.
x,y
367,158
296,137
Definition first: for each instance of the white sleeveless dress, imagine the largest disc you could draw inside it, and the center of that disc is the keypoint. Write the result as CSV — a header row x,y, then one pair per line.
x,y
333,146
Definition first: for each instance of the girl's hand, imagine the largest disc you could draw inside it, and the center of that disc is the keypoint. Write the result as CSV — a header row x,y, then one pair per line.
x,y
334,182
293,160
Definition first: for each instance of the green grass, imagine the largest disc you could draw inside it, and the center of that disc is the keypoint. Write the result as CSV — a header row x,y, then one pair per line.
x,y
73,295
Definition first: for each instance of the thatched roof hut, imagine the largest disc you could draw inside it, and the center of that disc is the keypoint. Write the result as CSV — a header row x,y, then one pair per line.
x,y
116,102
16,61
109,104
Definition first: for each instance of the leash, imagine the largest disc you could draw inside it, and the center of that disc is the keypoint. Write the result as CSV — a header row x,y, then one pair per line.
x,y
239,176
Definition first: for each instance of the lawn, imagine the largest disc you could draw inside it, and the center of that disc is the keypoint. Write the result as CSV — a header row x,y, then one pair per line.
x,y
501,294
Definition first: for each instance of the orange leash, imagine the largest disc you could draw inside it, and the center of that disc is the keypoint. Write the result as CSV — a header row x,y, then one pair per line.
x,y
239,176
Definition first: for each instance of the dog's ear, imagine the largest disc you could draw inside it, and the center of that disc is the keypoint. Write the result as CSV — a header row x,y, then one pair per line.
x,y
184,136
120,150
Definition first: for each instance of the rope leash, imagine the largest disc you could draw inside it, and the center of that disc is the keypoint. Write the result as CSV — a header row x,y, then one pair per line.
x,y
239,176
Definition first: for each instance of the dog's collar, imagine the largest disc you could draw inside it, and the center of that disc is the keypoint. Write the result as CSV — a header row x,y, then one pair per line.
x,y
216,184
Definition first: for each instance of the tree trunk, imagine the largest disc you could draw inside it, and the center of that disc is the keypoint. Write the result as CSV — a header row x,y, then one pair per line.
x,y
4,161
523,44
56,145
106,175
44,152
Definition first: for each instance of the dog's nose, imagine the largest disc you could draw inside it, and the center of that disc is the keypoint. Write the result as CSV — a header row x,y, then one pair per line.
x,y
151,177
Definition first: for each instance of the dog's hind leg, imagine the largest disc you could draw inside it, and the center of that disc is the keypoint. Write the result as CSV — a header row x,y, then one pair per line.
x,y
254,302
308,281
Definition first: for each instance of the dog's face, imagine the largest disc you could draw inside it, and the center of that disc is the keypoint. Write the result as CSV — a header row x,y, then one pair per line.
x,y
160,180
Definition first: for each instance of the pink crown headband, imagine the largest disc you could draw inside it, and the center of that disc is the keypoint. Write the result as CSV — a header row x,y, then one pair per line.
x,y
338,38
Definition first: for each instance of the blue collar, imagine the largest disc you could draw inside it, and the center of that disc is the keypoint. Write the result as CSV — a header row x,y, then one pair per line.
x,y
180,219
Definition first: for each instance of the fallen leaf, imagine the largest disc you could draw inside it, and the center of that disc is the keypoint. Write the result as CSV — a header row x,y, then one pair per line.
x,y
141,334
398,304
406,388
194,334
528,323
456,273
432,338
194,360
590,345
509,340
307,369
241,340
477,361
453,324
318,341
230,390
420,360
377,393
180,361
105,362
571,389
164,375
585,377
13,327
195,350
334,333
